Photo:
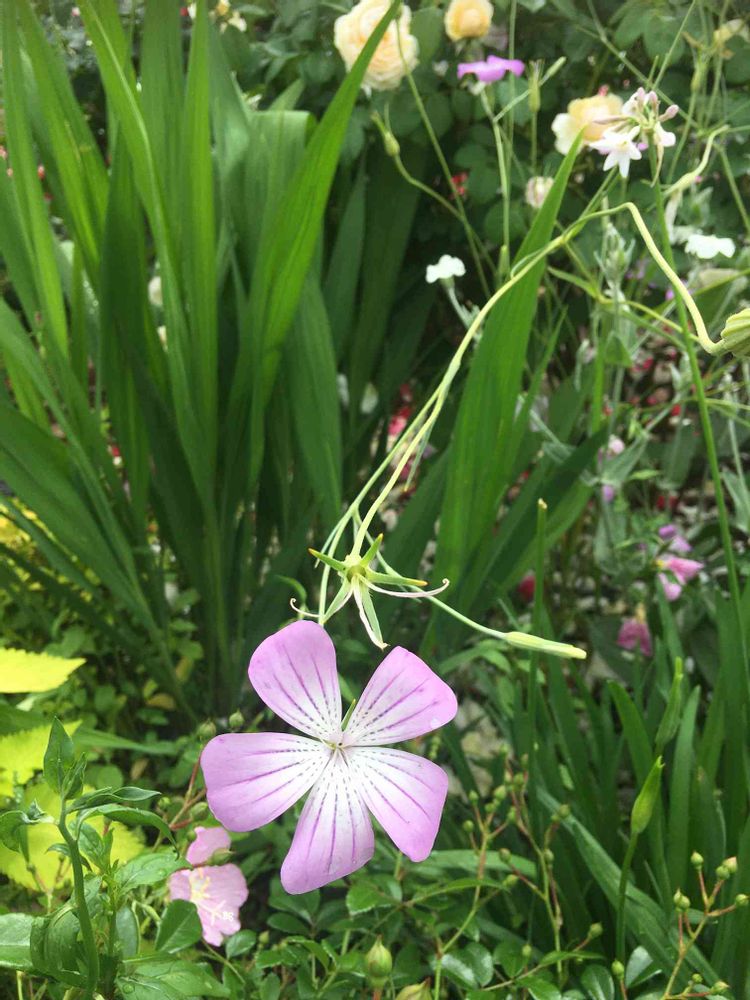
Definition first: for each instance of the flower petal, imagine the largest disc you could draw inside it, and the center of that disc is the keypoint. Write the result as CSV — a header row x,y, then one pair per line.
x,y
403,699
208,840
218,893
334,835
405,793
251,778
294,672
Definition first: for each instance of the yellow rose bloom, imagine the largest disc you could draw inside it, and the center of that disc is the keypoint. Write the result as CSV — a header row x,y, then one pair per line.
x,y
468,19
584,113
390,62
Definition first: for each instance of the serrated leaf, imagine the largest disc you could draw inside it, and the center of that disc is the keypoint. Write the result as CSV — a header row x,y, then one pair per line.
x,y
22,672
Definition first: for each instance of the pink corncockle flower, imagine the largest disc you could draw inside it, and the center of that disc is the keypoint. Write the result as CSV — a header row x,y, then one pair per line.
x,y
634,634
218,891
677,543
678,572
251,778
619,148
491,69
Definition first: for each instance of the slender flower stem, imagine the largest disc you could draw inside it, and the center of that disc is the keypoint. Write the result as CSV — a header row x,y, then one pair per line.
x,y
82,910
705,419
621,895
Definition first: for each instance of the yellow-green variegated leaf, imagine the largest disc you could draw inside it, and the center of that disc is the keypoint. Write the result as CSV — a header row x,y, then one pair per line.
x,y
22,672
53,869
22,755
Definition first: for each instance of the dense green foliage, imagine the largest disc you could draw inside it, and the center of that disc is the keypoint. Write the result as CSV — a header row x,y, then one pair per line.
x,y
217,345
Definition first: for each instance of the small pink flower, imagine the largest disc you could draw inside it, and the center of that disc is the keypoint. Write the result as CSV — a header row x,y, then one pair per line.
x,y
634,634
491,69
218,891
608,493
251,778
678,544
679,572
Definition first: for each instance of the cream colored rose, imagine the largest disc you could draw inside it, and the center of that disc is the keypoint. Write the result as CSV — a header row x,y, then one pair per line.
x,y
389,63
583,114
468,19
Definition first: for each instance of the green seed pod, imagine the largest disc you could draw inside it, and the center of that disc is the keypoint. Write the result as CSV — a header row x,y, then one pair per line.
x,y
696,860
526,951
595,931
618,969
378,965
473,797
468,826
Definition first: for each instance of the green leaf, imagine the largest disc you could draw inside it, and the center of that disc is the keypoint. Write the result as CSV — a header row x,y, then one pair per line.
x,y
148,869
365,896
470,966
540,989
132,817
128,932
598,982
240,943
185,979
180,927
15,935
58,757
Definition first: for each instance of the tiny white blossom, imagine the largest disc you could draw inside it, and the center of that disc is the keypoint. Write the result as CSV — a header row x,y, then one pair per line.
x,y
369,400
619,148
446,269
707,247
537,189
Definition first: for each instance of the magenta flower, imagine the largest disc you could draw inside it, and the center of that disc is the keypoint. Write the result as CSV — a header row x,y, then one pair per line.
x,y
251,778
490,69
679,571
218,891
634,634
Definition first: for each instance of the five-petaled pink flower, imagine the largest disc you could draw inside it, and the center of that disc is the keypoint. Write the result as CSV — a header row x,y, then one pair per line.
x,y
251,778
634,634
218,891
490,69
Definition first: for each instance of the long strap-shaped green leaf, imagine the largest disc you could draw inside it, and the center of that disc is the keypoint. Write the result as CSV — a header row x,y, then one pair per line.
x,y
286,252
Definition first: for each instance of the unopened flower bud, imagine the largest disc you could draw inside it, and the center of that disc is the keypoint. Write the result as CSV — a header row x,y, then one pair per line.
x,y
419,991
510,881
696,860
468,826
378,965
618,969
735,336
696,978
741,899
199,811
731,865
236,721
526,952
518,781
681,901
548,856
643,807
504,855
207,730
564,811
595,931
500,793
219,857
720,987
723,872
473,796
390,144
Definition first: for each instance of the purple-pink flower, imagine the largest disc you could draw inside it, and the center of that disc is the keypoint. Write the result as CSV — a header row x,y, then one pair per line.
x,y
490,69
679,571
677,543
218,891
634,634
251,778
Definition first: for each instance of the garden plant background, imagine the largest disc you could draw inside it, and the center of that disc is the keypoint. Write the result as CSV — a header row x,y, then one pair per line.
x,y
308,308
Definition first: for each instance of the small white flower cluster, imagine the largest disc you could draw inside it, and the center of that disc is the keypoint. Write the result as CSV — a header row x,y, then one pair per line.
x,y
638,123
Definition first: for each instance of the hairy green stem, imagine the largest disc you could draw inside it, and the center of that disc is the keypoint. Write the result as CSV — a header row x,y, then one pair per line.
x,y
84,917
